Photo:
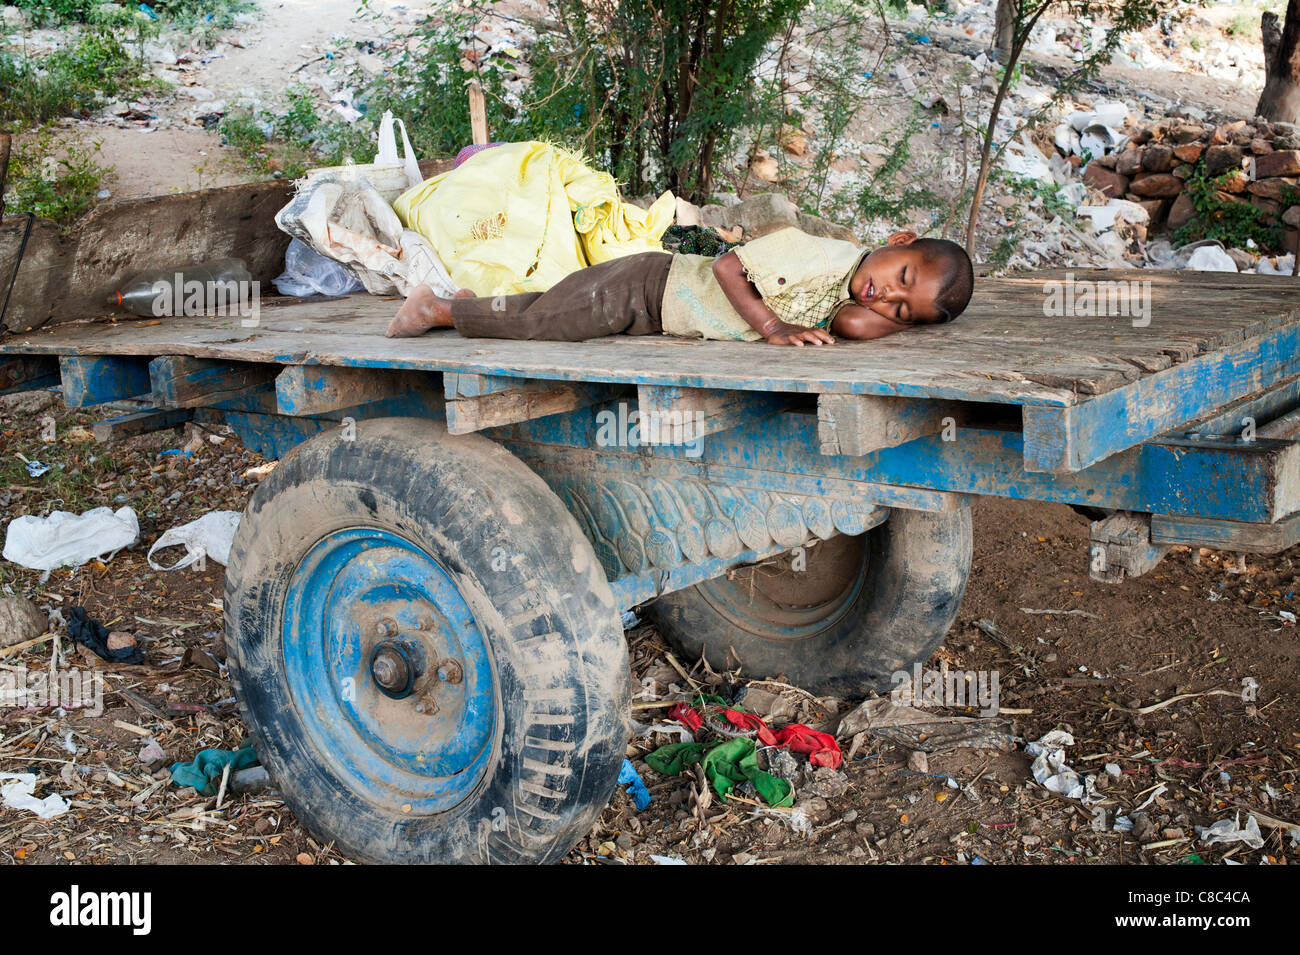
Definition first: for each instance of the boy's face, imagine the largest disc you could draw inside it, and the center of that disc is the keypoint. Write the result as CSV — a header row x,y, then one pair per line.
x,y
897,284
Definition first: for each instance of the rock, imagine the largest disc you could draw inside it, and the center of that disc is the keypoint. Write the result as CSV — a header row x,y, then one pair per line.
x,y
826,782
120,640
1189,152
1272,187
20,620
1243,259
1105,162
1143,830
1283,162
764,167
1292,217
1180,213
715,216
1106,181
1156,210
1269,207
1260,146
1236,181
24,404
816,809
1225,132
1183,170
1128,162
1157,185
764,214
1186,133
918,762
1157,157
1219,159
815,225
1286,136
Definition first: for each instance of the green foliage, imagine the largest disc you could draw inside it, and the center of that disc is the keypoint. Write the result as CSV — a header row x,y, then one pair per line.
x,y
655,91
1242,25
55,180
884,196
69,82
184,13
53,12
1231,222
294,139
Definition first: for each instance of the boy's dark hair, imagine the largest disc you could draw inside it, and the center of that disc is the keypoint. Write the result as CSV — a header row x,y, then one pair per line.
x,y
958,276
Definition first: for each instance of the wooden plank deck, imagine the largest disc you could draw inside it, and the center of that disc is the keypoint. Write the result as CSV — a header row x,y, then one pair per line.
x,y
1211,338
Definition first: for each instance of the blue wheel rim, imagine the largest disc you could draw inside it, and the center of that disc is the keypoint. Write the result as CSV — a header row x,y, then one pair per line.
x,y
354,590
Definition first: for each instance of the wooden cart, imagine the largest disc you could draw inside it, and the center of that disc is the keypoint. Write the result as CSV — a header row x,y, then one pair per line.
x,y
423,600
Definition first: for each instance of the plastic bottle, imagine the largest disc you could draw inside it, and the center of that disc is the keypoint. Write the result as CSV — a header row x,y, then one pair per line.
x,y
197,289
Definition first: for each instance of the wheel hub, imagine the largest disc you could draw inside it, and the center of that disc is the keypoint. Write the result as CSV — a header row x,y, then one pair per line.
x,y
387,665
392,669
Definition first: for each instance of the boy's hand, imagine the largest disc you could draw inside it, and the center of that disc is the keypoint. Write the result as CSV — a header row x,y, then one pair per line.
x,y
783,333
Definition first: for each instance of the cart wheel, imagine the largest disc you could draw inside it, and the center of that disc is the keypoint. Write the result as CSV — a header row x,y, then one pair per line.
x,y
426,648
863,607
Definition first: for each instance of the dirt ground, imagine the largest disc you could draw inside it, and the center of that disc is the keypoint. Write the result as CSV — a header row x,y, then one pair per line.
x,y
1187,628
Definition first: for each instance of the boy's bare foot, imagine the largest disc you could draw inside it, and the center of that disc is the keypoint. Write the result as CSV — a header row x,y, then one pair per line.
x,y
422,311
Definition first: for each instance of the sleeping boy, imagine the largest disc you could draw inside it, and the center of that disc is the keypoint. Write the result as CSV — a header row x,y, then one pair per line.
x,y
786,288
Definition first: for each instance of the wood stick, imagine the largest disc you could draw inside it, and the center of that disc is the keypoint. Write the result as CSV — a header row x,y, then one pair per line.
x,y
6,141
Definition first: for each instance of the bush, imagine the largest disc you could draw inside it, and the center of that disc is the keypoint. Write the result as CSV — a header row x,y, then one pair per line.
x,y
69,82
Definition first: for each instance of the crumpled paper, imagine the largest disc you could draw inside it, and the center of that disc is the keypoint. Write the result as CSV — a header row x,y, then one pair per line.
x,y
19,795
1051,771
1231,830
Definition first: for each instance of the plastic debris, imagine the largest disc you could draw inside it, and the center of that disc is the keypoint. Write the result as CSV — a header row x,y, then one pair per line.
x,y
69,540
307,272
1052,772
93,634
36,468
628,776
20,794
211,536
1231,830
1208,258
204,771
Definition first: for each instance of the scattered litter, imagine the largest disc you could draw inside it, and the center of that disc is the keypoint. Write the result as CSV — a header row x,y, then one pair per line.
x,y
307,272
630,620
204,771
667,860
1052,772
20,794
1064,613
632,779
93,634
917,729
1231,830
1211,259
36,468
210,535
66,539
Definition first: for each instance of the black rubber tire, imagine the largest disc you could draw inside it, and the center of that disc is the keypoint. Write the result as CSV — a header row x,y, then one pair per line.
x,y
548,617
911,575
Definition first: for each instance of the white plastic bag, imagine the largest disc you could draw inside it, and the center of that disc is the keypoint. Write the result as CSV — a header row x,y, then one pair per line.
x,y
66,539
307,272
19,794
348,221
387,155
211,536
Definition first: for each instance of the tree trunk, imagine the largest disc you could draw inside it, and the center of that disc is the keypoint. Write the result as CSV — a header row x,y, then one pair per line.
x,y
1280,101
1004,27
5,140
